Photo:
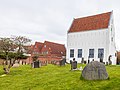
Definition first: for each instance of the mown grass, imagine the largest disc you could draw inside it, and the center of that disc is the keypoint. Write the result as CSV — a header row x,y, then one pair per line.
x,y
53,77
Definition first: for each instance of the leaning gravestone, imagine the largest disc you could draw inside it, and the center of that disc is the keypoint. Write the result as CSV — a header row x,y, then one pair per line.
x,y
95,71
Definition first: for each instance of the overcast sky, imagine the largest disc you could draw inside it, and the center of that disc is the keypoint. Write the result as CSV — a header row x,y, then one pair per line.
x,y
50,20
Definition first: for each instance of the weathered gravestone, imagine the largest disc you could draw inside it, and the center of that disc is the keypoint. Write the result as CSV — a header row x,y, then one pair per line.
x,y
36,64
109,59
15,65
95,71
73,65
82,61
62,62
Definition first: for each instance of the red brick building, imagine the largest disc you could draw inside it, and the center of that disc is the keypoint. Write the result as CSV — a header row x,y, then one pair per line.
x,y
47,51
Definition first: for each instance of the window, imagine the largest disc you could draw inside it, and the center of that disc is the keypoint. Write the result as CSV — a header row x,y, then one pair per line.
x,y
91,53
71,53
79,53
101,53
112,39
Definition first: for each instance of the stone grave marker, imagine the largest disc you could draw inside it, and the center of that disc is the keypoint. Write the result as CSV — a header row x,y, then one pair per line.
x,y
95,71
62,62
73,65
36,64
15,65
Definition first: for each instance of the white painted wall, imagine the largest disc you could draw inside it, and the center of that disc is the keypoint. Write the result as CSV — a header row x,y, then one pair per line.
x,y
94,39
87,40
112,46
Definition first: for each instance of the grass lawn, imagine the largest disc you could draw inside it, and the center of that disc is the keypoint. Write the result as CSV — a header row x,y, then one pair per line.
x,y
53,77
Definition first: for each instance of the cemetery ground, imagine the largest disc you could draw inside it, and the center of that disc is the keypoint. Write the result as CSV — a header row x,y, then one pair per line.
x,y
53,77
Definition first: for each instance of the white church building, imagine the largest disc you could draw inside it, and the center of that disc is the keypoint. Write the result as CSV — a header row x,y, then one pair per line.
x,y
92,38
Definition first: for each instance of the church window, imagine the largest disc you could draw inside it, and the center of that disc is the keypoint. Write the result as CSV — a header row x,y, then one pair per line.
x,y
71,53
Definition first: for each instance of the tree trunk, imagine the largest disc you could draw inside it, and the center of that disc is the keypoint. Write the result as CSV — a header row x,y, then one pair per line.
x,y
6,65
5,68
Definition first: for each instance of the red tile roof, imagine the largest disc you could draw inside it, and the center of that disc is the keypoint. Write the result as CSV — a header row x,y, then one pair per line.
x,y
55,48
94,22
37,47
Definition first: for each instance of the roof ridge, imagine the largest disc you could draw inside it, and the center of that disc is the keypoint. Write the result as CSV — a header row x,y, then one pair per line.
x,y
53,42
93,15
38,42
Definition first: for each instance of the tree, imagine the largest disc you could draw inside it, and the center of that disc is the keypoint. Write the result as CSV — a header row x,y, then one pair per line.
x,y
8,46
20,42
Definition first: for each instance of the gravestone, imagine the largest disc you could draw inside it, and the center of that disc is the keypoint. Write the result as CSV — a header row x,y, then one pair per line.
x,y
95,71
109,59
110,62
15,65
82,61
106,63
101,60
70,61
62,62
73,65
36,64
88,61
